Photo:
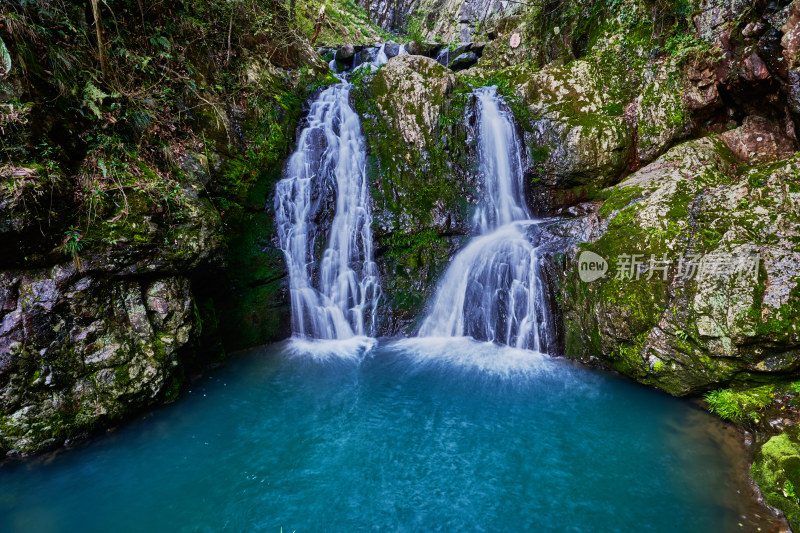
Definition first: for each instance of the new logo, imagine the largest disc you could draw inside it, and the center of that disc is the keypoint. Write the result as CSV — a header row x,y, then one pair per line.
x,y
591,266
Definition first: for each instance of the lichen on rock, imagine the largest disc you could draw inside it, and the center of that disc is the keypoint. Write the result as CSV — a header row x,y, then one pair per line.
x,y
688,335
80,353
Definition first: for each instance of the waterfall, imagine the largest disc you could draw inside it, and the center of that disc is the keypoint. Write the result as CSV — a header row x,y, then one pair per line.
x,y
336,296
492,290
381,58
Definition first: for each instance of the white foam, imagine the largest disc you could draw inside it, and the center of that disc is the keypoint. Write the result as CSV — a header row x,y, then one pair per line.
x,y
352,349
467,354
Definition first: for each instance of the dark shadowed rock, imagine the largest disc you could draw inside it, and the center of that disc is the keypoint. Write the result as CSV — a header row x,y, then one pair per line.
x,y
463,61
478,48
345,52
447,54
391,49
769,49
424,49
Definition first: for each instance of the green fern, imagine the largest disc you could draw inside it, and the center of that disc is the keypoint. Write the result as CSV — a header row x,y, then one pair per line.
x,y
739,405
93,97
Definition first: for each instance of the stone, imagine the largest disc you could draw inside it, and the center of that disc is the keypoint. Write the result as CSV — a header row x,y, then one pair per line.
x,y
701,91
426,49
754,68
391,49
463,61
345,52
448,53
759,141
696,204
414,91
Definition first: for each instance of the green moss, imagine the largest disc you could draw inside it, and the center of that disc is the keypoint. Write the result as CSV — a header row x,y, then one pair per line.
x,y
122,376
613,110
782,323
159,350
619,198
173,390
776,469
540,153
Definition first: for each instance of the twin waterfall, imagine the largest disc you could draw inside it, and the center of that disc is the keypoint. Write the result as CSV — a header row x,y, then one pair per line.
x,y
490,292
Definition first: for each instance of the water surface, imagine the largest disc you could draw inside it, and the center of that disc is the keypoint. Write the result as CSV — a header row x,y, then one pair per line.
x,y
411,435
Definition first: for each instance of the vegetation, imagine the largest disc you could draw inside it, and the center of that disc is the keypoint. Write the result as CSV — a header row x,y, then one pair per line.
x,y
776,469
740,405
124,122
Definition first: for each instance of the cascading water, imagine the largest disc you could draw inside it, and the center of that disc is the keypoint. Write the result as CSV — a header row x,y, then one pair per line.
x,y
492,290
335,297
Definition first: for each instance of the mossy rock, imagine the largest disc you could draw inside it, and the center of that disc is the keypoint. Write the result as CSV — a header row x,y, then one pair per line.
x,y
776,469
690,330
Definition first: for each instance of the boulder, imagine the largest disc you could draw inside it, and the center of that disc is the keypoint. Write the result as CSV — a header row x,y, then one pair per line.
x,y
346,52
447,54
716,294
424,49
463,61
410,91
391,49
759,141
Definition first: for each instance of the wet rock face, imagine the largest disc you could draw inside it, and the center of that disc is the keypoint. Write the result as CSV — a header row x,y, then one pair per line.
x,y
86,341
727,308
389,14
414,93
79,352
420,162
